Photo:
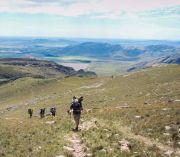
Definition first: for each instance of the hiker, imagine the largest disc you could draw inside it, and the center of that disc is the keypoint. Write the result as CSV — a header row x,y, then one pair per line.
x,y
53,111
30,112
76,106
42,112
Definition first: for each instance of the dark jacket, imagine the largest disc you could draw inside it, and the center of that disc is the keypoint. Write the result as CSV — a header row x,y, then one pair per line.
x,y
77,107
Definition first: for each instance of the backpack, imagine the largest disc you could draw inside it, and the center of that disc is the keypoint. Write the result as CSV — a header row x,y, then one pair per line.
x,y
30,111
76,105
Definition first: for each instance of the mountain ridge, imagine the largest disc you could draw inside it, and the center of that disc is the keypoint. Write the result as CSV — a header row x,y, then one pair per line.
x,y
14,68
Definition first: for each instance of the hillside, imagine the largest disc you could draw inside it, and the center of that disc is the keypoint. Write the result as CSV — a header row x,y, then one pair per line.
x,y
169,59
140,108
14,68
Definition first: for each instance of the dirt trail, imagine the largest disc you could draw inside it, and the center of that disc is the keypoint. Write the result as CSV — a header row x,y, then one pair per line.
x,y
77,147
95,85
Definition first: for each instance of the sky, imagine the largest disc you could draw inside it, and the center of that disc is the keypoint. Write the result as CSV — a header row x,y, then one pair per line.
x,y
116,19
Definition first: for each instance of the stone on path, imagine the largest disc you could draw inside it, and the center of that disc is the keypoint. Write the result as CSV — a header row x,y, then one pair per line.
x,y
125,145
69,149
168,152
60,156
50,122
88,155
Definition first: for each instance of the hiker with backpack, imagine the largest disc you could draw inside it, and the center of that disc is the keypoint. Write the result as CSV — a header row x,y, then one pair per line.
x,y
53,111
76,106
42,112
30,112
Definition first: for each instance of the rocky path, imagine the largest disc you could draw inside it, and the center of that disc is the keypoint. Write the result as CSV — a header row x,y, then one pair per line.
x,y
95,85
77,147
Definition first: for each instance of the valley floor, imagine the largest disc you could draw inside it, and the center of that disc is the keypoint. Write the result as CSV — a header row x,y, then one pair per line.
x,y
135,115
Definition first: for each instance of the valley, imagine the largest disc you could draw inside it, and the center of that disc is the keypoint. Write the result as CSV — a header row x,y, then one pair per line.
x,y
103,56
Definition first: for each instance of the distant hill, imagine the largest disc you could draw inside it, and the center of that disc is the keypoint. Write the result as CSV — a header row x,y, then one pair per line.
x,y
103,56
14,68
117,51
90,49
169,59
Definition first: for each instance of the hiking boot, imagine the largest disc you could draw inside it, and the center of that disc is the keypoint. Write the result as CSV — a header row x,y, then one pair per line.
x,y
75,129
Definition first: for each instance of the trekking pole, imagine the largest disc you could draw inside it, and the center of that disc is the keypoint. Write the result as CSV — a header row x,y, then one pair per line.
x,y
70,115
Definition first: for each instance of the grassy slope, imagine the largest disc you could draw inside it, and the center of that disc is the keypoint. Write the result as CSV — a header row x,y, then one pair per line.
x,y
155,87
146,94
22,71
109,68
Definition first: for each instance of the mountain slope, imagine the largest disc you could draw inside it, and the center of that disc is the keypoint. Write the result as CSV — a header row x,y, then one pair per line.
x,y
90,49
141,108
13,68
169,59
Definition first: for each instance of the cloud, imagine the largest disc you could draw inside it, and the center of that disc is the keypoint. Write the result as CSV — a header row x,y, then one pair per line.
x,y
83,7
92,18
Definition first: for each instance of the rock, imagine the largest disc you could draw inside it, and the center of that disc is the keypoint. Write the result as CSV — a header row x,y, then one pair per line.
x,y
138,117
69,149
150,130
125,145
176,100
74,141
103,150
167,128
88,155
106,130
148,94
50,122
125,106
165,109
170,101
178,152
166,134
9,108
169,152
179,143
145,103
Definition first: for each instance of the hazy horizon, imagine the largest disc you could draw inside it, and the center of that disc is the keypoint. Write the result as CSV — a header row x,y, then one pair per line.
x,y
88,38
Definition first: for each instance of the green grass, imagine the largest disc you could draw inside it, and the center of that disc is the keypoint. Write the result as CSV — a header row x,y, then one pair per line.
x,y
147,93
109,68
